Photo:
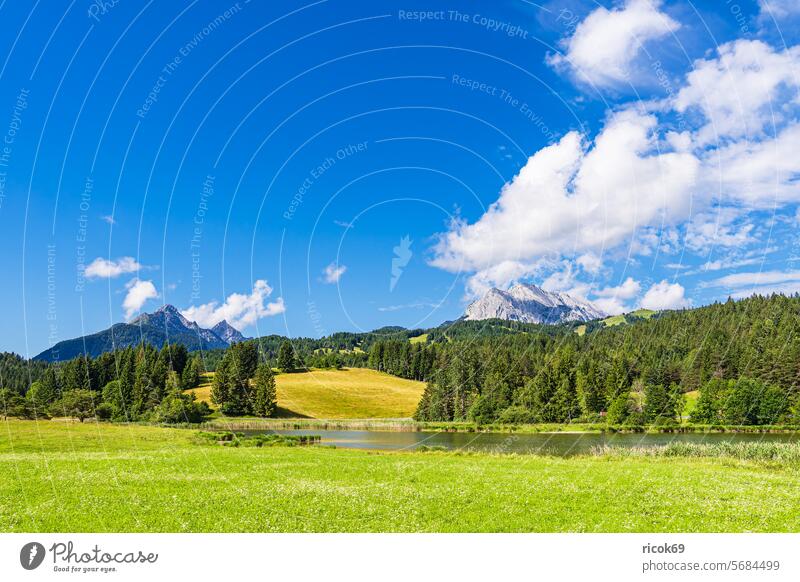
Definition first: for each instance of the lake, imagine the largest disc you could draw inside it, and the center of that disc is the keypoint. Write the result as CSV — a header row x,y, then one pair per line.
x,y
559,444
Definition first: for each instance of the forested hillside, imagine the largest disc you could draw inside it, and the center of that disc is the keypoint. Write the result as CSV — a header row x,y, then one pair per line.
x,y
633,373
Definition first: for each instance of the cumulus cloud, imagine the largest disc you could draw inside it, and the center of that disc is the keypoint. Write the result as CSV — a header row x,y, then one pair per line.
x,y
665,295
613,300
757,173
333,272
590,263
572,197
139,292
106,269
500,275
565,280
239,310
605,46
629,289
742,91
741,285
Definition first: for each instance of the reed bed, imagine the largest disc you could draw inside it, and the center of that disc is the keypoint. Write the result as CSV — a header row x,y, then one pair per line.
x,y
782,453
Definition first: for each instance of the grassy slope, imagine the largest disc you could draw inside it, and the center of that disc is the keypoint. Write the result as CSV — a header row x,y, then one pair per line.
x,y
620,319
352,393
335,394
70,477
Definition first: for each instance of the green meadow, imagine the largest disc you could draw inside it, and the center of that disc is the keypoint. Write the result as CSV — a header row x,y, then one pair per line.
x,y
72,477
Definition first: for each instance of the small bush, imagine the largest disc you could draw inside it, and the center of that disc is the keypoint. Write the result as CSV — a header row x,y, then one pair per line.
x,y
230,439
516,415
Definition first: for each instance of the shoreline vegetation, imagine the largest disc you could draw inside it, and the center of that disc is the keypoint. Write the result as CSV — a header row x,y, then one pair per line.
x,y
409,425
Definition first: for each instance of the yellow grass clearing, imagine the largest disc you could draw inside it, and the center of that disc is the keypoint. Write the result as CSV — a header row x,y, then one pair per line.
x,y
203,390
336,394
351,393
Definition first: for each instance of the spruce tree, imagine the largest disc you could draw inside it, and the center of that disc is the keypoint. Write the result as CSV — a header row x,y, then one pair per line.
x,y
286,359
265,399
220,386
191,374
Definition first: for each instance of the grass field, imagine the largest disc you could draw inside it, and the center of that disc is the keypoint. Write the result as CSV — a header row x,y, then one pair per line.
x,y
87,477
337,394
620,319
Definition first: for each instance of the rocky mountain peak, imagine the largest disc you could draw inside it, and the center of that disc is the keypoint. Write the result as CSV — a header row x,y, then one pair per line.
x,y
228,333
531,304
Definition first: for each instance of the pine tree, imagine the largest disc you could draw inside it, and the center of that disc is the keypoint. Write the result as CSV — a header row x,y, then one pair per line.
x,y
286,357
565,401
191,374
246,354
239,398
221,384
265,397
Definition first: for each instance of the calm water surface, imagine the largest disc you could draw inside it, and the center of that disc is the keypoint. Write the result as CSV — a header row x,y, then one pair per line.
x,y
561,444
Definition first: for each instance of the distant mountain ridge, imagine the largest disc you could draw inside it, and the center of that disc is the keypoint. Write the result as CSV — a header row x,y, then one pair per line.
x,y
531,304
165,324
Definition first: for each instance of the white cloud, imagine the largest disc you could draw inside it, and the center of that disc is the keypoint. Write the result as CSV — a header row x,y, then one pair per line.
x,y
610,305
239,310
590,263
104,268
758,173
707,230
570,198
665,295
629,289
500,275
333,272
779,8
605,46
565,280
742,91
109,219
139,292
613,300
724,264
741,285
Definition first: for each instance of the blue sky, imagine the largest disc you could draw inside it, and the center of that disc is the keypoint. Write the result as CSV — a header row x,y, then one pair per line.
x,y
305,168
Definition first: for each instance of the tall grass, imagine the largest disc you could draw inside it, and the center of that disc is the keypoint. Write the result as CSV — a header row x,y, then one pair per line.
x,y
309,424
783,453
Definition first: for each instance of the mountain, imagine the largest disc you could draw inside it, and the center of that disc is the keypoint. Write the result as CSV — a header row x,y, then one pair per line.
x,y
166,324
228,333
532,304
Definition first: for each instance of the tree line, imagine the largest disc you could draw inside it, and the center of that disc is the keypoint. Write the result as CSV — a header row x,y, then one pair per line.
x,y
742,356
134,383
